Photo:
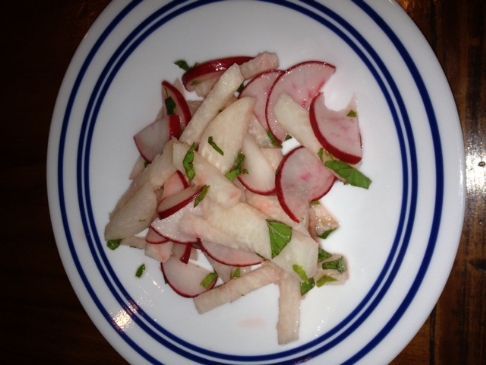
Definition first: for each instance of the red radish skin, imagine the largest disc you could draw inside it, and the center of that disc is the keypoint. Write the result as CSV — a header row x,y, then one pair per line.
x,y
259,88
175,128
151,140
175,184
209,70
302,82
337,133
229,256
176,202
154,238
182,108
184,279
301,178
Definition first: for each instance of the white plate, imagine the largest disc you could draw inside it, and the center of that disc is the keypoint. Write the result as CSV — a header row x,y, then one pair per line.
x,y
400,236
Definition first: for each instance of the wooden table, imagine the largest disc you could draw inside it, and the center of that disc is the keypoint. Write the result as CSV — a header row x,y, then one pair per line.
x,y
45,323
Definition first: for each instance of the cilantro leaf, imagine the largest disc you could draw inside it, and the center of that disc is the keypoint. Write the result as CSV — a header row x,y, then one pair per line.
x,y
273,140
349,174
200,197
280,236
237,168
183,65
215,146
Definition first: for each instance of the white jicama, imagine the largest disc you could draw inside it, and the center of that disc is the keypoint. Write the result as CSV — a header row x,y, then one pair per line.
x,y
288,309
295,120
220,189
256,130
160,252
220,93
262,62
321,220
134,216
236,288
226,131
134,241
273,156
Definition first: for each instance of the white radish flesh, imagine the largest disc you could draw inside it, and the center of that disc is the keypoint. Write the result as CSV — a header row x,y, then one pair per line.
x,y
300,179
229,256
175,184
151,140
337,131
134,241
138,168
288,309
273,155
295,120
226,131
161,252
184,252
181,106
185,279
174,203
257,131
302,82
260,177
321,220
262,62
154,238
235,289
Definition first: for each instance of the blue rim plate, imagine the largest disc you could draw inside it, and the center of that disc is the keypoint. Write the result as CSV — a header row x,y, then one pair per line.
x,y
400,236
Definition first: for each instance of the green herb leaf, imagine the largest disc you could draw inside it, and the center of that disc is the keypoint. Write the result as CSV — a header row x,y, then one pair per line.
x,y
188,163
315,203
209,280
323,255
348,173
113,244
236,273
320,153
170,105
305,286
299,270
273,140
145,164
324,279
280,235
287,137
237,168
183,65
338,265
352,114
326,234
200,197
215,146
241,87
140,271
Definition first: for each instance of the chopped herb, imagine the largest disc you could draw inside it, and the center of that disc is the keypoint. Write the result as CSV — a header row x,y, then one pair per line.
x,y
315,203
237,168
324,279
299,270
241,87
305,286
209,280
140,271
188,162
287,137
323,255
145,164
183,65
326,233
338,265
201,195
236,273
170,105
320,153
352,114
113,244
215,146
280,235
348,173
273,140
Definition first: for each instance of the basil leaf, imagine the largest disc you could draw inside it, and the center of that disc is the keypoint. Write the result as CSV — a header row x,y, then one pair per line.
x,y
280,235
200,197
215,146
170,105
307,285
140,271
326,234
349,174
273,140
113,244
352,114
323,255
209,280
183,65
338,265
236,273
237,168
324,279
188,163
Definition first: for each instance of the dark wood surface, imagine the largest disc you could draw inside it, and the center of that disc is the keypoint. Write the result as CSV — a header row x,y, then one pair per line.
x,y
43,321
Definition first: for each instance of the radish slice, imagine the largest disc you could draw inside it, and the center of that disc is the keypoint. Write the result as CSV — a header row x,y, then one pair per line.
x,y
301,178
235,289
210,69
175,184
262,62
257,131
337,131
258,88
302,82
138,168
223,271
273,155
260,178
151,140
184,279
229,256
161,253
157,172
175,128
154,238
181,106
176,202
184,252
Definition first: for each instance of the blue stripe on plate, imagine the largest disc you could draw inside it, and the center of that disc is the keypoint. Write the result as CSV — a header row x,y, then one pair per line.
x,y
83,186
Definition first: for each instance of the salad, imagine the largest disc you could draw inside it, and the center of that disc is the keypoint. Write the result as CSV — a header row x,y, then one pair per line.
x,y
217,199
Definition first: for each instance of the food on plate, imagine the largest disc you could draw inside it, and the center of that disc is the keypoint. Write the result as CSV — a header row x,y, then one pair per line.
x,y
217,198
